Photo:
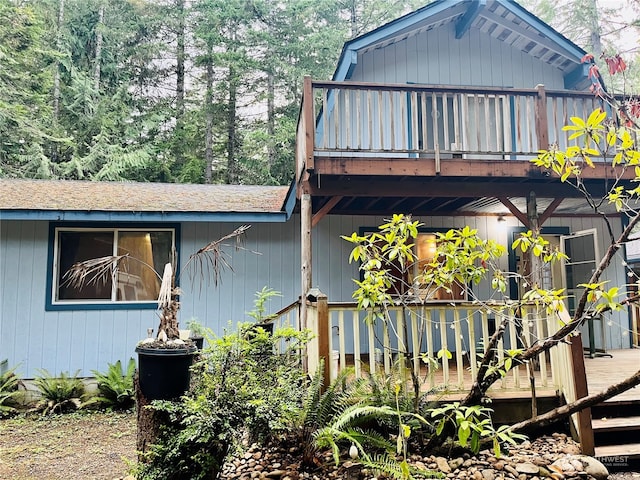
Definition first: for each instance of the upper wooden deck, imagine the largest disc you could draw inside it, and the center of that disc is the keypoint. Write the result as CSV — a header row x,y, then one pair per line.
x,y
604,371
368,132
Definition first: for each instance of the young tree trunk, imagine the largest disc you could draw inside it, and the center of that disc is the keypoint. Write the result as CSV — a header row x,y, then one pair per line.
x,y
271,120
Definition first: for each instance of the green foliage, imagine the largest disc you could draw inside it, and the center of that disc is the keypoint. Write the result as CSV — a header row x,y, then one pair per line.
x,y
119,121
9,383
244,388
473,426
196,328
259,309
366,422
377,253
461,256
115,387
59,394
602,300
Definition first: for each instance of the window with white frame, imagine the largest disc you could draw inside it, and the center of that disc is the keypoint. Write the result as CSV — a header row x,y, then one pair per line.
x,y
137,278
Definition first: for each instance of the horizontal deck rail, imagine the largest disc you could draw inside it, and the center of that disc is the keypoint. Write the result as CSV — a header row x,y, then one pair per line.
x,y
367,119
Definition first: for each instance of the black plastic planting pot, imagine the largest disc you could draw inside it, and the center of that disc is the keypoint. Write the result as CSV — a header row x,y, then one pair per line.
x,y
164,373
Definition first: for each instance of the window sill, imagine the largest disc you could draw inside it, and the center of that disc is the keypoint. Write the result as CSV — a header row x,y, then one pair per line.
x,y
53,307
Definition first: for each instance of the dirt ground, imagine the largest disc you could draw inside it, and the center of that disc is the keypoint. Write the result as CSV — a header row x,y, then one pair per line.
x,y
70,447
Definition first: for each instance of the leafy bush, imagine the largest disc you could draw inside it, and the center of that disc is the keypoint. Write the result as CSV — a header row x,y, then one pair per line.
x,y
473,426
244,389
9,383
59,394
115,387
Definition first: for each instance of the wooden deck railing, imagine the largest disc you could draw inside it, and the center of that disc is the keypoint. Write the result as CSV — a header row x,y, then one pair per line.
x,y
443,121
419,336
423,334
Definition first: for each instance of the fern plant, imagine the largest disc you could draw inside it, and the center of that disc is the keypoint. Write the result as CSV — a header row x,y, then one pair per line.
x,y
375,406
59,394
115,386
9,383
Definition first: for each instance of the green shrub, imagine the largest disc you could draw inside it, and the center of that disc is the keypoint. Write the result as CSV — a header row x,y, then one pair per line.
x,y
115,386
59,394
9,383
244,389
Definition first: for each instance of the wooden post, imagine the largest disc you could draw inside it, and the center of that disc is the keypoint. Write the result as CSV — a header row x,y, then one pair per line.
x,y
305,256
318,347
542,125
580,379
307,112
323,336
535,263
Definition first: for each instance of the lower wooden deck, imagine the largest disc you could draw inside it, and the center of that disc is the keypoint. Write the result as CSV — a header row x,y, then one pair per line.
x,y
603,371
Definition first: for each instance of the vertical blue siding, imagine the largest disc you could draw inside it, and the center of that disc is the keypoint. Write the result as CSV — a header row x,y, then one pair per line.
x,y
437,58
32,338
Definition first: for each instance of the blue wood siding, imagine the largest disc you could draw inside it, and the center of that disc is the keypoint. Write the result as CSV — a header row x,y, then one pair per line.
x,y
435,57
32,338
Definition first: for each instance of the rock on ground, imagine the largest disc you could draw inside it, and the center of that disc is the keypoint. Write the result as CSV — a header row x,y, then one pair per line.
x,y
554,457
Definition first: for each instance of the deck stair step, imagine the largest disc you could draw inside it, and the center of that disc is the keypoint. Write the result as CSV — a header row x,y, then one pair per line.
x,y
615,424
629,449
616,430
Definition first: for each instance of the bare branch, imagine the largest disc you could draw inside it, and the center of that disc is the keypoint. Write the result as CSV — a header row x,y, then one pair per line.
x,y
93,271
210,262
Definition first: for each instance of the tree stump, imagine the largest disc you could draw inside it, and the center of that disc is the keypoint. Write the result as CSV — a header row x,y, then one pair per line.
x,y
150,421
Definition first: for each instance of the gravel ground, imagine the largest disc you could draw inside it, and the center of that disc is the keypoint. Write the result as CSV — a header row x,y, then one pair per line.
x,y
76,446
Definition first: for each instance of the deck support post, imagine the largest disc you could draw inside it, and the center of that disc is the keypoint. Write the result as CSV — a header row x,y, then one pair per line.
x,y
585,429
319,325
535,263
305,255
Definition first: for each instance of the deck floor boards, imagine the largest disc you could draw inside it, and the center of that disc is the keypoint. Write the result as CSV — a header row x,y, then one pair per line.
x,y
605,371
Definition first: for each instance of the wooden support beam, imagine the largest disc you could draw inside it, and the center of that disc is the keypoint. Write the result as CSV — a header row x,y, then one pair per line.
x,y
326,208
514,210
305,254
580,378
444,188
310,130
549,211
452,167
323,337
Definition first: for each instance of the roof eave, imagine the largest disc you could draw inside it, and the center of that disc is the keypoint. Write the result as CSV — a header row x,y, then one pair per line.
x,y
349,56
121,216
346,61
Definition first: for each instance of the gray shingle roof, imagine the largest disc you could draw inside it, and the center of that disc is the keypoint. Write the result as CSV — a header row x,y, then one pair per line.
x,y
85,196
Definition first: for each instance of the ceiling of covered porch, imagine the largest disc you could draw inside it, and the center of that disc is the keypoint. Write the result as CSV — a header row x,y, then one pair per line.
x,y
461,196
